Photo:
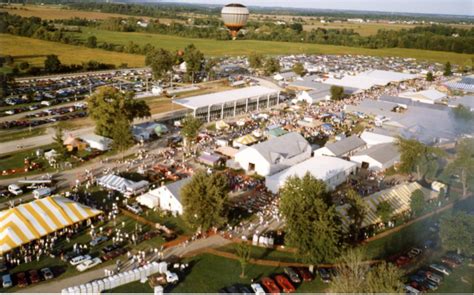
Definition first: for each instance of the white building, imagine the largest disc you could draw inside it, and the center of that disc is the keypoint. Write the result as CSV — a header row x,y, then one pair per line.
x,y
372,138
378,157
333,171
274,155
97,142
342,148
314,96
166,197
430,96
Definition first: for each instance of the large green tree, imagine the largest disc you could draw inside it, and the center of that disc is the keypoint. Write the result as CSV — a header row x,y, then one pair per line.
x,y
417,202
357,211
356,276
52,64
59,147
190,129
108,103
194,62
312,224
447,69
161,62
384,211
121,134
337,92
429,76
418,158
298,68
204,200
256,61
457,233
463,164
272,65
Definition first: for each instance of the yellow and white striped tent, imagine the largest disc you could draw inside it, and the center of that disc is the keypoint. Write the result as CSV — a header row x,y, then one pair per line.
x,y
30,221
246,139
398,197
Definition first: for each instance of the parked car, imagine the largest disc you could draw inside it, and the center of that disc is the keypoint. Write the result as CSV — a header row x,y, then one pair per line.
x,y
3,267
171,277
431,276
89,264
305,274
98,241
292,274
449,262
285,284
258,289
21,280
233,289
7,281
402,261
441,268
244,289
410,290
47,273
135,208
79,259
414,252
34,277
456,257
270,285
325,275
15,189
110,248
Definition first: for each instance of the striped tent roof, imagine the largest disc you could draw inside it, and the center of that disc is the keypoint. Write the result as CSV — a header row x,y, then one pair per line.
x,y
30,221
460,86
398,197
246,139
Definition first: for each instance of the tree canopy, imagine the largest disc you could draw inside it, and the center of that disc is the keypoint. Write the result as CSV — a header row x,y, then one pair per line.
x,y
447,69
59,147
337,92
190,128
204,200
121,134
417,202
52,64
463,164
384,211
272,65
356,212
108,103
457,233
312,224
298,68
161,62
256,60
418,157
194,62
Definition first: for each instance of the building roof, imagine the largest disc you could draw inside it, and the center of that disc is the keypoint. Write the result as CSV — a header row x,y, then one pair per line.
x,y
175,187
345,145
382,153
432,95
368,79
411,102
321,167
30,221
373,138
286,146
199,101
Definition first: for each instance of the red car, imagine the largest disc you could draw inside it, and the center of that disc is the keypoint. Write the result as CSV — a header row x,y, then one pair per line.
x,y
21,280
304,274
449,262
285,284
402,261
34,277
270,285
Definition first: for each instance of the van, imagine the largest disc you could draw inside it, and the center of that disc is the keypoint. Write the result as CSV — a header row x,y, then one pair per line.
x,y
42,192
15,189
7,281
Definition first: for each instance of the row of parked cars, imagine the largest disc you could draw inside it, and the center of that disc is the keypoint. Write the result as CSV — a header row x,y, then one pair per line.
x,y
429,277
286,282
33,123
23,279
58,111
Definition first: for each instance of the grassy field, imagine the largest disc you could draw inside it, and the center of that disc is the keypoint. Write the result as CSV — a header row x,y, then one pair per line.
x,y
242,47
365,29
34,51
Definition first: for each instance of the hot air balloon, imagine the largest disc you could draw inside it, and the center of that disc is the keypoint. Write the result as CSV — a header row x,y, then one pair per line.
x,y
235,17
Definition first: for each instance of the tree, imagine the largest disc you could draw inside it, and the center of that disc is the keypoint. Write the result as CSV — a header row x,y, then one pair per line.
x,y
463,113
108,103
209,66
337,92
457,233
417,202
418,157
194,61
121,134
384,211
4,81
355,276
356,212
190,128
59,147
312,224
447,69
161,62
429,77
272,65
52,64
91,42
24,65
204,200
244,254
298,68
463,164
255,60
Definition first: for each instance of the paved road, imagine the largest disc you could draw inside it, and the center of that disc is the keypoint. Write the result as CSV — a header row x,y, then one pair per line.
x,y
57,285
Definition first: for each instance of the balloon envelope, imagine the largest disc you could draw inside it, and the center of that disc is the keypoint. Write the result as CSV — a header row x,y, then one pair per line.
x,y
235,17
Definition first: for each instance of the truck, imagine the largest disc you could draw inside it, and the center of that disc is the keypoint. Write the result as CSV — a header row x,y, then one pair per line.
x,y
42,192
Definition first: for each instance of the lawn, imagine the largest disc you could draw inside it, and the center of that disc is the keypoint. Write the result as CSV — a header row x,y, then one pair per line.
x,y
241,47
264,253
176,224
35,50
16,160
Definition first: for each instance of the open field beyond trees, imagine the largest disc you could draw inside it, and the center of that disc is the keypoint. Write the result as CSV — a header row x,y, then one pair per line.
x,y
241,47
35,51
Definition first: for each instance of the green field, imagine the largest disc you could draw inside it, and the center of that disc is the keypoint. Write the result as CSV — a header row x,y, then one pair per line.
x,y
35,51
242,47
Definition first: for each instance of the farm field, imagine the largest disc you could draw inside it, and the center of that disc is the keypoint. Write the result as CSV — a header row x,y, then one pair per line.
x,y
52,12
241,47
34,51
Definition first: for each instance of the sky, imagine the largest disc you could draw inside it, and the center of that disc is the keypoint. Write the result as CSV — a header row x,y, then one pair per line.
x,y
458,7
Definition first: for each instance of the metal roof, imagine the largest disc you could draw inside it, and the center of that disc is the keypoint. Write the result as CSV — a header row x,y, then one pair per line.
x,y
345,145
218,98
175,187
382,153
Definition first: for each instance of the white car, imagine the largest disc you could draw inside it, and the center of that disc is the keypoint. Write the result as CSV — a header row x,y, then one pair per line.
x,y
79,259
89,264
258,289
15,189
441,268
171,277
414,252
